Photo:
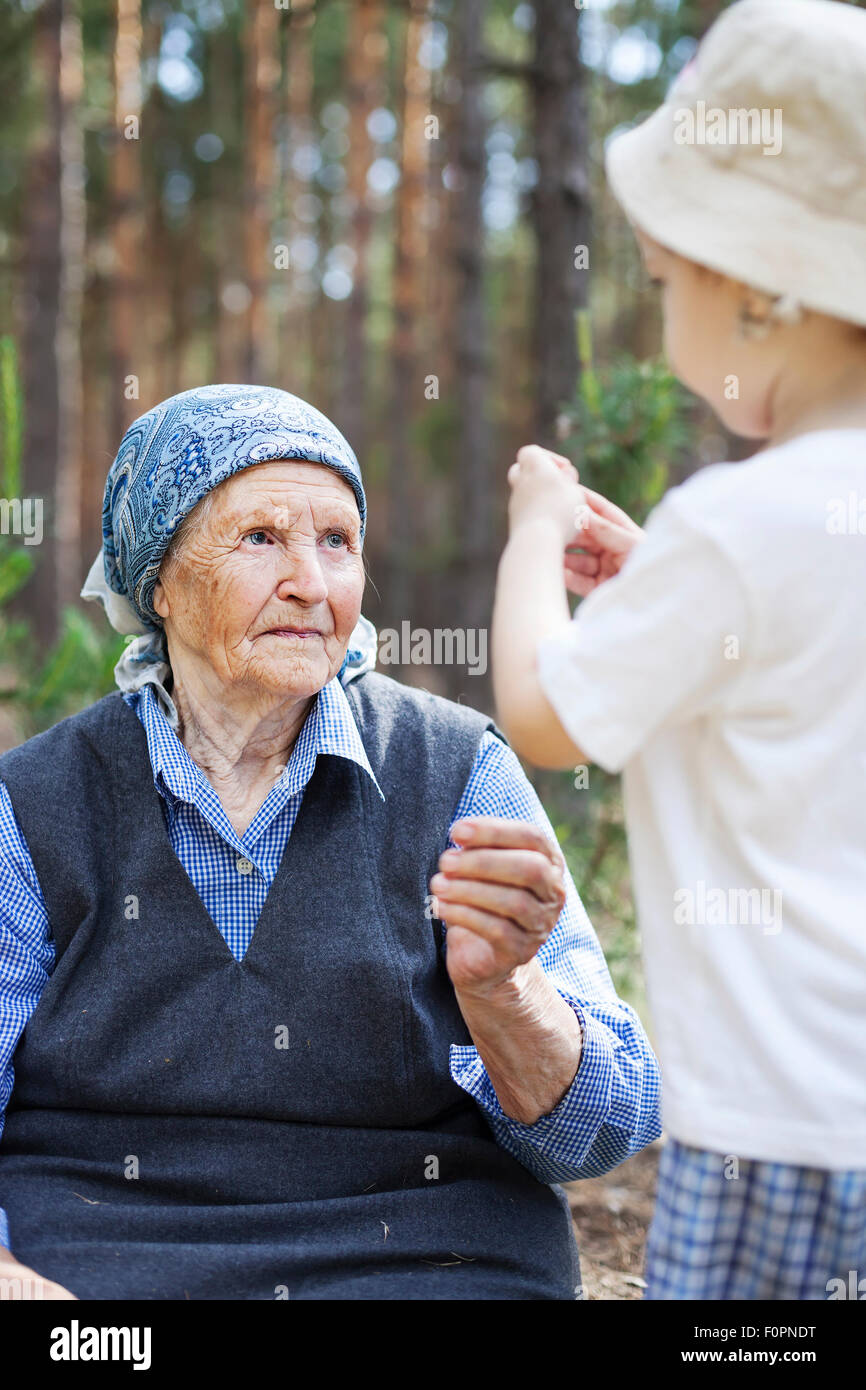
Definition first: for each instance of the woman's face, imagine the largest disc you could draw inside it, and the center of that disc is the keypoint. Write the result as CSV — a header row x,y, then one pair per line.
x,y
267,588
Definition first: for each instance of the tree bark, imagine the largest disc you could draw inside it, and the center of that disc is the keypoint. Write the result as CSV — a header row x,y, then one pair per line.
x,y
42,282
71,569
127,212
261,77
475,499
296,335
367,50
408,299
560,207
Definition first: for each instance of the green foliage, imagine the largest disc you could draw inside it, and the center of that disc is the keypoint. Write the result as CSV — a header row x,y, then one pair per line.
x,y
16,564
41,687
38,688
590,827
77,670
11,415
628,423
15,569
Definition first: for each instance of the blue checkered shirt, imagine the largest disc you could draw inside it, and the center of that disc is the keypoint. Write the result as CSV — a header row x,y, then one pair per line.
x,y
612,1108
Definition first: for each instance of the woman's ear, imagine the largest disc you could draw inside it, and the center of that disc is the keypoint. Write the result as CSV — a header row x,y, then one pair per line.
x,y
160,600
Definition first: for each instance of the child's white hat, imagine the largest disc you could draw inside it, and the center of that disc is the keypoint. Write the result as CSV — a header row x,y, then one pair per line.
x,y
756,163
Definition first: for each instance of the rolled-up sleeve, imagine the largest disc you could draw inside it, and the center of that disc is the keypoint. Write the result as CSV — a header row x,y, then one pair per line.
x,y
27,951
613,1106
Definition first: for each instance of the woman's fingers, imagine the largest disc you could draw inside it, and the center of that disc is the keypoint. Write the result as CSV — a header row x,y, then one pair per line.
x,y
497,901
500,832
537,872
509,870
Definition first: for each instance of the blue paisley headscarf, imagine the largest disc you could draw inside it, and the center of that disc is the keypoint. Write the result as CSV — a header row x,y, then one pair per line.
x,y
168,460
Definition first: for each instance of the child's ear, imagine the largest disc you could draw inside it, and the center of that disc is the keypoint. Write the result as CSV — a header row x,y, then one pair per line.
x,y
716,277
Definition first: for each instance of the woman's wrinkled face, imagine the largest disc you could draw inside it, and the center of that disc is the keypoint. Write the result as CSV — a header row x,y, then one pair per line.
x,y
267,588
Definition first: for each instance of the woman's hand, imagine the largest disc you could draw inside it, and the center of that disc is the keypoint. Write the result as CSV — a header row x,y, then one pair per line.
x,y
18,1281
500,897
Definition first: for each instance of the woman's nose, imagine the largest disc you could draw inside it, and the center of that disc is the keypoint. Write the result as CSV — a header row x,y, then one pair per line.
x,y
302,576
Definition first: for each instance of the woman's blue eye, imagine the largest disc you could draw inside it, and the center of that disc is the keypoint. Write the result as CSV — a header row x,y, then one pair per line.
x,y
251,534
340,537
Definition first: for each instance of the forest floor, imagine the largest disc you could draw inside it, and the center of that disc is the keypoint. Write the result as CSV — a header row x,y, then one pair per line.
x,y
611,1218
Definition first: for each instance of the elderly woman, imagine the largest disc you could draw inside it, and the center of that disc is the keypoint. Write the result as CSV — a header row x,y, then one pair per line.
x,y
246,1064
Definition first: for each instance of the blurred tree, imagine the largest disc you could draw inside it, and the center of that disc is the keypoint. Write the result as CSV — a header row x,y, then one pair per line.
x,y
67,506
476,541
261,77
409,335
42,274
296,336
127,219
560,207
367,49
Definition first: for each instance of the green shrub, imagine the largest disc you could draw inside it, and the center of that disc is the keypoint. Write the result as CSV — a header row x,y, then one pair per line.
x,y
37,687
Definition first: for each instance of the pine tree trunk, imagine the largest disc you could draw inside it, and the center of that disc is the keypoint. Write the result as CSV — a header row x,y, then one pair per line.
x,y
560,207
475,483
71,566
405,530
42,282
366,52
296,335
261,77
127,213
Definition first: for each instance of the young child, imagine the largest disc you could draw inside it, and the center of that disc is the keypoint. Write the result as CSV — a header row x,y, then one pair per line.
x,y
719,657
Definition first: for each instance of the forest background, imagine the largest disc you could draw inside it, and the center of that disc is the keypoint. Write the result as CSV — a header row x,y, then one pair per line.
x,y
395,209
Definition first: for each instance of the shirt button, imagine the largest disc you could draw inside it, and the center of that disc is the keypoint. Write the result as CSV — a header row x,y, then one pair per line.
x,y
244,866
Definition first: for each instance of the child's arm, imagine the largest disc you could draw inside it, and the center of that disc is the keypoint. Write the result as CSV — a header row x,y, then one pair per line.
x,y
548,511
530,604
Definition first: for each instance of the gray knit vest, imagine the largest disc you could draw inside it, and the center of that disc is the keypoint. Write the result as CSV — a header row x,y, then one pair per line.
x,y
186,1125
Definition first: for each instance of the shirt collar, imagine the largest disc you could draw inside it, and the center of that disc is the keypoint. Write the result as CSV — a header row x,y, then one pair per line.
x,y
145,660
330,728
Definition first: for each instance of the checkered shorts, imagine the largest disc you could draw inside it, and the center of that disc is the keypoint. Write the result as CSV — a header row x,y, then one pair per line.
x,y
747,1229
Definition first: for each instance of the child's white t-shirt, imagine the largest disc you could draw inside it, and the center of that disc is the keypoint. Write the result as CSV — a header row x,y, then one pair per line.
x,y
724,671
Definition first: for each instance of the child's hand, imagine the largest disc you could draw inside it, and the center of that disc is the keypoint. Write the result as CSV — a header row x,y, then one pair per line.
x,y
545,485
606,536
